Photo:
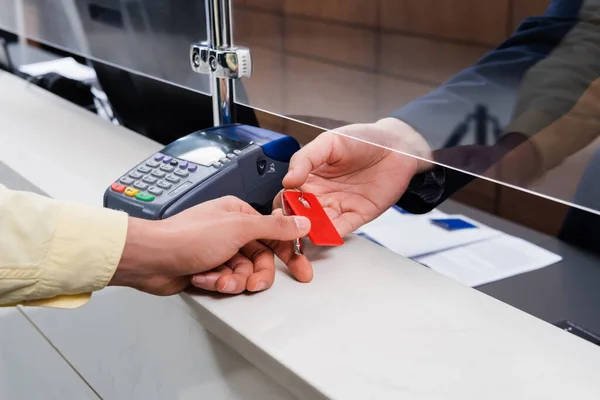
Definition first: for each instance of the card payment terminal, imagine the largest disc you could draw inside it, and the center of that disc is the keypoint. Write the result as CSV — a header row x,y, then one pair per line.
x,y
238,160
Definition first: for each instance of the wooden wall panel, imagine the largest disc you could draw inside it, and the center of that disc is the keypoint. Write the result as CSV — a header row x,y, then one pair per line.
x,y
324,90
272,5
257,29
523,9
395,93
266,88
270,121
425,59
304,134
348,45
363,12
481,21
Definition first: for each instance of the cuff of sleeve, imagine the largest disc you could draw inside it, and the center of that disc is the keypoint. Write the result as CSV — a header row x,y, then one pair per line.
x,y
548,136
62,302
84,252
429,186
532,124
424,192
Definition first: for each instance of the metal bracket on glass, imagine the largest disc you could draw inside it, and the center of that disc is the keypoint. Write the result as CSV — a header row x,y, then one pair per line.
x,y
219,58
229,63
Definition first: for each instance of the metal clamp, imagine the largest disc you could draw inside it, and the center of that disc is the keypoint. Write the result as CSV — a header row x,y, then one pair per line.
x,y
228,63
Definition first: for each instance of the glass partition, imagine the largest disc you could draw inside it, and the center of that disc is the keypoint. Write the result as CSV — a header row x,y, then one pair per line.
x,y
500,89
150,38
8,15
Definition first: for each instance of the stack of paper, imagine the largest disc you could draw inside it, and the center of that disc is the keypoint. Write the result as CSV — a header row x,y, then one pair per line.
x,y
490,260
473,256
416,235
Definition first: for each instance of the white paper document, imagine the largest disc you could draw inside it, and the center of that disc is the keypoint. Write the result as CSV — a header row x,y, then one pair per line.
x,y
416,235
484,262
66,67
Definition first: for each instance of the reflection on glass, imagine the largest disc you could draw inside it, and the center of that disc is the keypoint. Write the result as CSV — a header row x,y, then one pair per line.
x,y
500,89
151,38
8,15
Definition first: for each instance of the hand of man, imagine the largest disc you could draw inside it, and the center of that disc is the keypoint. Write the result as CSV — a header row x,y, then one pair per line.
x,y
160,257
359,171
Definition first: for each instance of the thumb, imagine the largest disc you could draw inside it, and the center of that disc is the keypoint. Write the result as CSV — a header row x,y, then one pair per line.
x,y
308,159
274,227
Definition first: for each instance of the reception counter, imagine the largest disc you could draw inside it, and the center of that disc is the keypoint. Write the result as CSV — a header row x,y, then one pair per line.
x,y
371,325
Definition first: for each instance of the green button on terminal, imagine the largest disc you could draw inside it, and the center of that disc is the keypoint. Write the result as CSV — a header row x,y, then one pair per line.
x,y
144,197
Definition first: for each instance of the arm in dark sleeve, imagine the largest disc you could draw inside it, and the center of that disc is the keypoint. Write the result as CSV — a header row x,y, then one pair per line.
x,y
493,82
557,107
430,189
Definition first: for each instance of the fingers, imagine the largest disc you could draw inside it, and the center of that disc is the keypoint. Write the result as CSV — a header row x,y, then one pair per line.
x,y
272,227
235,283
264,266
299,266
230,278
253,269
208,280
309,158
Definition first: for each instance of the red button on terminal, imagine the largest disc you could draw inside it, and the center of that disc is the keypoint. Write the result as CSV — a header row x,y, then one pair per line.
x,y
118,188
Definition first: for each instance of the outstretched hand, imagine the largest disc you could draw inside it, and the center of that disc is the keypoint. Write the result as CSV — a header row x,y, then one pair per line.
x,y
359,171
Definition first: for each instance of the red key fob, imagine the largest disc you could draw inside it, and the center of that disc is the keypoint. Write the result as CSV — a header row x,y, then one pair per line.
x,y
322,232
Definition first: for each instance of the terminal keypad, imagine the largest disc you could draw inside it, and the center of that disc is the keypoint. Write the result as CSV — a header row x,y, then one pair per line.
x,y
157,174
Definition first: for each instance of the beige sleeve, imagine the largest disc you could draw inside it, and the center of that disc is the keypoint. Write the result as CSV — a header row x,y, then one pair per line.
x,y
55,253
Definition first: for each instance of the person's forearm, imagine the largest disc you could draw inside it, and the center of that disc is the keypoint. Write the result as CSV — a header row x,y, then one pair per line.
x,y
557,105
143,253
492,82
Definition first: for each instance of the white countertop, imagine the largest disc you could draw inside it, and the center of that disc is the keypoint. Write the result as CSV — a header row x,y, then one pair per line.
x,y
371,325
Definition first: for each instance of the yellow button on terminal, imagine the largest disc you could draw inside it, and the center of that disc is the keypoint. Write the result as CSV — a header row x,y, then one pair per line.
x,y
131,192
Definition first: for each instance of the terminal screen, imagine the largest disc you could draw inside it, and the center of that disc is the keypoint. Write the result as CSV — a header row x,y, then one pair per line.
x,y
203,148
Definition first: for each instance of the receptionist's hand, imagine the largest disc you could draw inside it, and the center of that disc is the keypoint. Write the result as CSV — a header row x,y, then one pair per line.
x,y
357,180
222,236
